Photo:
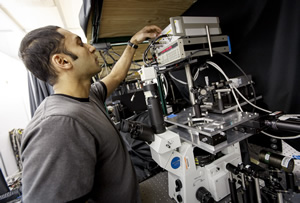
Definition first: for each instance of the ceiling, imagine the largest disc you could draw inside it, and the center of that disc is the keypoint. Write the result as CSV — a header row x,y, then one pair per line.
x,y
17,17
119,19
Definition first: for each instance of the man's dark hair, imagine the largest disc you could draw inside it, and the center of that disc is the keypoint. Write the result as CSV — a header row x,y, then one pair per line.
x,y
37,48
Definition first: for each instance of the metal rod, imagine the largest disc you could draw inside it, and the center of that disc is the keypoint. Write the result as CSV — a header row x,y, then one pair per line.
x,y
280,197
60,12
189,79
12,19
251,190
208,40
232,189
244,188
190,82
257,188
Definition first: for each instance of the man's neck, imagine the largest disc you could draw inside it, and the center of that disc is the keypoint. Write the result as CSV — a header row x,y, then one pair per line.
x,y
74,89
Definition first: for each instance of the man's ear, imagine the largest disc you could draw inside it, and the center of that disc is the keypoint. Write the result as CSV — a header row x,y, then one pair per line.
x,y
61,61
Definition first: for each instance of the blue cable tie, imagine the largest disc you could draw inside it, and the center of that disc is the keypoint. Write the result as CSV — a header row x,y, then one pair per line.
x,y
229,44
296,157
171,115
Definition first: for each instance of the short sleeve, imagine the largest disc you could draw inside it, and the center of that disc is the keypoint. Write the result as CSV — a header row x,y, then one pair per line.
x,y
99,89
59,158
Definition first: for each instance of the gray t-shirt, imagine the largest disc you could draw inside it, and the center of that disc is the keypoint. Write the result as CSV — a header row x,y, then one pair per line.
x,y
71,149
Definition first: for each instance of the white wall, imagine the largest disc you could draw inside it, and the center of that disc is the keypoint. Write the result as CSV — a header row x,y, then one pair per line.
x,y
14,105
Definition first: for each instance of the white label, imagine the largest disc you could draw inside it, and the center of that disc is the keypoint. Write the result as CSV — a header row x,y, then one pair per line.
x,y
267,157
285,161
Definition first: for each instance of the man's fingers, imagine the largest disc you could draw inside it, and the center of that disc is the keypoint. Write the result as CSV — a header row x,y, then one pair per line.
x,y
152,29
150,35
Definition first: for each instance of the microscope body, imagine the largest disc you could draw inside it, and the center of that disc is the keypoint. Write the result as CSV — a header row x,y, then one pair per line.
x,y
196,170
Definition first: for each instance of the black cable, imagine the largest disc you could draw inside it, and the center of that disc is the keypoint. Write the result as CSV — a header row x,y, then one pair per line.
x,y
105,62
114,52
151,44
107,53
115,61
132,62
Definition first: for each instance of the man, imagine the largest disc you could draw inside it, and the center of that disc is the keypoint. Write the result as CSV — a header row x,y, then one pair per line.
x,y
71,151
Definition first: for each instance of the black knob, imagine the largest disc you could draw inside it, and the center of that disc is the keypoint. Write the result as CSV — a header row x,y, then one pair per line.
x,y
233,169
178,185
204,196
179,198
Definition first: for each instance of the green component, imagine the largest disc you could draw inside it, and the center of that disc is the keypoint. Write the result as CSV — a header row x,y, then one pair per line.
x,y
106,109
162,96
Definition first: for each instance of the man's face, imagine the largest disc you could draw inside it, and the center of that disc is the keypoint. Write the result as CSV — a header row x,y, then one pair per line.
x,y
87,64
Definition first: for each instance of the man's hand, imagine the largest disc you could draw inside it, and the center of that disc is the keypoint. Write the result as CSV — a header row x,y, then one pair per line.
x,y
150,31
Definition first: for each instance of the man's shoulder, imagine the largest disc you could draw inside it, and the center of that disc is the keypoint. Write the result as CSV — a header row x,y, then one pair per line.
x,y
58,105
54,107
58,113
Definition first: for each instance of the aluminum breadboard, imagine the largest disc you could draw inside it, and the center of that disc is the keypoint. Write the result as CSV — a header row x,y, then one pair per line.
x,y
155,189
